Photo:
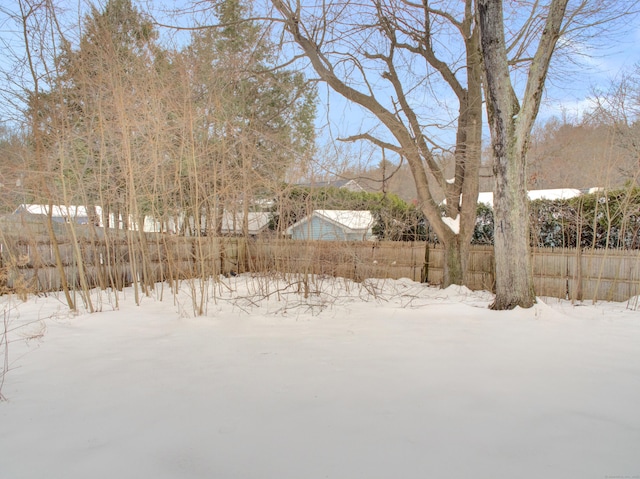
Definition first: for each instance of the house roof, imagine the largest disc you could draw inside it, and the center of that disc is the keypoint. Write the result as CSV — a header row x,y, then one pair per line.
x,y
351,219
257,222
58,211
339,183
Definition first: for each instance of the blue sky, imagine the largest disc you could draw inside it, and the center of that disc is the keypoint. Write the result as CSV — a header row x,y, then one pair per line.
x,y
566,94
597,69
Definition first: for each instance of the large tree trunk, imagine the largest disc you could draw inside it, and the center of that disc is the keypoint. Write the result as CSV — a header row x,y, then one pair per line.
x,y
510,131
454,272
470,123
514,277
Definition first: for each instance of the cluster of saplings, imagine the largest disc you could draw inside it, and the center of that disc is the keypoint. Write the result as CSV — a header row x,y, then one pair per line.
x,y
597,220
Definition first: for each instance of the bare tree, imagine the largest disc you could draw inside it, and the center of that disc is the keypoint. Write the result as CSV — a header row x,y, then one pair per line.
x,y
392,58
38,22
618,112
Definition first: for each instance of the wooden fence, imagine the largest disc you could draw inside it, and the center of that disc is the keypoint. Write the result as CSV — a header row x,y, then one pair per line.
x,y
354,260
29,264
115,261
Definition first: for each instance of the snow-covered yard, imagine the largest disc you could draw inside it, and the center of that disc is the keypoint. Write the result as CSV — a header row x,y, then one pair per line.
x,y
392,380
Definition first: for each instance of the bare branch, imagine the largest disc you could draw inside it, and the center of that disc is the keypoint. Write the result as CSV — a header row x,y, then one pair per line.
x,y
376,141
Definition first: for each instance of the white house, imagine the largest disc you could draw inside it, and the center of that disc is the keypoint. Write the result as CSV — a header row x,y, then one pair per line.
x,y
81,215
334,225
64,213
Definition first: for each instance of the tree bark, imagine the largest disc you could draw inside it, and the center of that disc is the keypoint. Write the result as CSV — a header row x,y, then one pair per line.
x,y
511,126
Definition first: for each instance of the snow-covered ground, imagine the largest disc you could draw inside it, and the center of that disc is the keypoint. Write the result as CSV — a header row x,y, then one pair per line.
x,y
392,379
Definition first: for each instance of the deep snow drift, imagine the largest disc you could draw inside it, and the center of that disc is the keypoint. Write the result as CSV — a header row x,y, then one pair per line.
x,y
392,379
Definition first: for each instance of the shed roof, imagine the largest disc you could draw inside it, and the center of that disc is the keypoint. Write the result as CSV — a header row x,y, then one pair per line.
x,y
352,219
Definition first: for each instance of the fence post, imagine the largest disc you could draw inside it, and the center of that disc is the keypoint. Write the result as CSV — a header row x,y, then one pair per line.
x,y
577,296
424,276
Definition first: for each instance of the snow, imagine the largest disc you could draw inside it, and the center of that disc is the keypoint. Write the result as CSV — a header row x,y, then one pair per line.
x,y
452,223
554,194
384,379
352,219
486,197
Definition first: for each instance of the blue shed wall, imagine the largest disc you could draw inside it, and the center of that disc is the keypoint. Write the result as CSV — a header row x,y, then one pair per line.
x,y
320,229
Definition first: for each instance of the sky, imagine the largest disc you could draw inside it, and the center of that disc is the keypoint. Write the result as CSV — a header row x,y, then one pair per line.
x,y
598,68
388,378
566,93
